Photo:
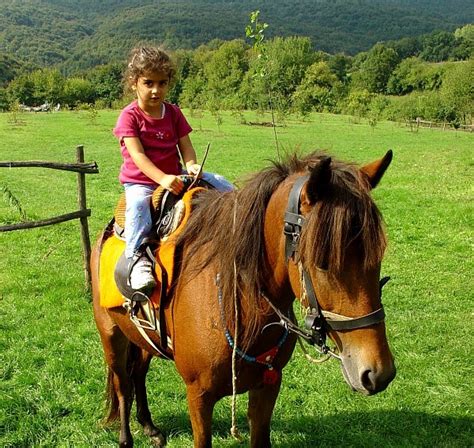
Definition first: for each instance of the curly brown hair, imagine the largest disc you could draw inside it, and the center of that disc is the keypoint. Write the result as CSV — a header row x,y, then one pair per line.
x,y
144,60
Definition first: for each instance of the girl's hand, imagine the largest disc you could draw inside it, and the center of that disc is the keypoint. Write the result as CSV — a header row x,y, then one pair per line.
x,y
172,183
193,170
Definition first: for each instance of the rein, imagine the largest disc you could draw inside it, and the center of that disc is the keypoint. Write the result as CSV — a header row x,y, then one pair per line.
x,y
317,321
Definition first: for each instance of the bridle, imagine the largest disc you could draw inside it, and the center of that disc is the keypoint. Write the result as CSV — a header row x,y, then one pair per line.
x,y
317,321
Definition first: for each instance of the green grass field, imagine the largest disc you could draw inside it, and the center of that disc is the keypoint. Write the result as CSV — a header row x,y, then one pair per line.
x,y
52,373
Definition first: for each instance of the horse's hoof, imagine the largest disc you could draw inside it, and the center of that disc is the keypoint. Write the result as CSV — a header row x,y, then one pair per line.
x,y
156,436
158,440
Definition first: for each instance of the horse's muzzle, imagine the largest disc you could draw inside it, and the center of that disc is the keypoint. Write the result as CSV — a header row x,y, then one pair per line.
x,y
375,382
368,380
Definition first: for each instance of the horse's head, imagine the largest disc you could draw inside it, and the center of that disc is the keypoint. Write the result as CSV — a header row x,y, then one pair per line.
x,y
340,251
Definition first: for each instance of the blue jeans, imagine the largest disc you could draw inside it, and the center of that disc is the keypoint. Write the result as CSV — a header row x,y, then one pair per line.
x,y
138,222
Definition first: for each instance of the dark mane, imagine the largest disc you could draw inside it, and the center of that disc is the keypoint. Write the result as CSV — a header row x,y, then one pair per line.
x,y
228,229
346,215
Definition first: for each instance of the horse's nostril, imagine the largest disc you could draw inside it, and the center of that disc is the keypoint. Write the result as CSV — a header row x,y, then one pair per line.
x,y
368,380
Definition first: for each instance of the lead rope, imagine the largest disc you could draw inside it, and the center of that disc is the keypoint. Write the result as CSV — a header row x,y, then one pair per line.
x,y
234,430
303,299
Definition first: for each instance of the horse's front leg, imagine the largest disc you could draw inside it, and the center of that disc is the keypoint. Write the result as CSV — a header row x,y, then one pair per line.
x,y
201,405
260,410
143,411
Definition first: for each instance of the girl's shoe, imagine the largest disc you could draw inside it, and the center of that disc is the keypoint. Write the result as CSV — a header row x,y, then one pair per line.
x,y
141,276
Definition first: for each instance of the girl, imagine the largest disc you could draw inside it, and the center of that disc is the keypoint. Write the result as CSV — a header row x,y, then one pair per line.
x,y
154,137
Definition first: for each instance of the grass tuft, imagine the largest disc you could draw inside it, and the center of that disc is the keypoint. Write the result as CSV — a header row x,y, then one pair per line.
x,y
13,202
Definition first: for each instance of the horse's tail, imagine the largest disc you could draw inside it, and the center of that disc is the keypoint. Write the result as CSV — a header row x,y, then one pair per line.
x,y
112,398
133,356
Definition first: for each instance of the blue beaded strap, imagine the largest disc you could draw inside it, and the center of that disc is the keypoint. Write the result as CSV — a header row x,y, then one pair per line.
x,y
250,358
230,339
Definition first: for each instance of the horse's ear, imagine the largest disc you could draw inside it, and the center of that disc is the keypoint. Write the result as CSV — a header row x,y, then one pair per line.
x,y
318,183
375,170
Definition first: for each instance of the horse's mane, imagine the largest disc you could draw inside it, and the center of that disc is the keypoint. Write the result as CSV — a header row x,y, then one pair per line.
x,y
228,229
345,216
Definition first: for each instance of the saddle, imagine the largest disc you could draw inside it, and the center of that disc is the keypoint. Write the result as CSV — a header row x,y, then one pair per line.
x,y
170,214
162,206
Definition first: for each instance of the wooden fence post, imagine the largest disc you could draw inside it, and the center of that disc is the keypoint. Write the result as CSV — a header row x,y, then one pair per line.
x,y
81,198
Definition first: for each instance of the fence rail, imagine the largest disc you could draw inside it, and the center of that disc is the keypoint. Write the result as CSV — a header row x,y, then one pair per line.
x,y
46,222
87,168
444,125
82,214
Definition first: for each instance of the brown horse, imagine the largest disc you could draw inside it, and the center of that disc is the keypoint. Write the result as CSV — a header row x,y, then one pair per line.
x,y
243,258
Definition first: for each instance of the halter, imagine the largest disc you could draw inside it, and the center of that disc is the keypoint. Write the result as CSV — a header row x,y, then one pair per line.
x,y
317,321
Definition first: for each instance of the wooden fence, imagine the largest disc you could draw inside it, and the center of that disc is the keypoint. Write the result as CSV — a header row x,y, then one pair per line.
x,y
82,214
444,125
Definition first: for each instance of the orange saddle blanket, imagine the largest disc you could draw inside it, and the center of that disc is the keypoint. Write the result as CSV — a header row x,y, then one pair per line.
x,y
113,247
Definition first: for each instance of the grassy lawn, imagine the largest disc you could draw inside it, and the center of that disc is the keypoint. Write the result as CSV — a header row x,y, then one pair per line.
x,y
52,373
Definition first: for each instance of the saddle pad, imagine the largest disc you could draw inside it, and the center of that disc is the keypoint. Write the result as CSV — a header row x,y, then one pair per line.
x,y
112,249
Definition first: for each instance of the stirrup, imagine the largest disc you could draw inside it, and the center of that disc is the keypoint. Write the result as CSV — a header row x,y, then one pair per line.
x,y
141,302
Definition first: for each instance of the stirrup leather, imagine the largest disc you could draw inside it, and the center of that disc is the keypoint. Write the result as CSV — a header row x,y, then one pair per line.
x,y
149,322
140,302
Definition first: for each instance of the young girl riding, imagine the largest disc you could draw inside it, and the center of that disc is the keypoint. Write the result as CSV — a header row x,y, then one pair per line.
x,y
154,137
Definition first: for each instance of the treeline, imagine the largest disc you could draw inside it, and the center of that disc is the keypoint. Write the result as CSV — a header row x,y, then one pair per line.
x,y
76,35
100,87
431,77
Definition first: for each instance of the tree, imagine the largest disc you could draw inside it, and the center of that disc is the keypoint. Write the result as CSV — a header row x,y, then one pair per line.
x,y
318,91
184,61
287,60
4,102
466,33
414,74
78,91
404,107
22,89
406,47
464,42
438,46
457,90
376,68
48,86
377,107
107,81
194,86
39,87
340,65
224,73
358,103
193,92
9,68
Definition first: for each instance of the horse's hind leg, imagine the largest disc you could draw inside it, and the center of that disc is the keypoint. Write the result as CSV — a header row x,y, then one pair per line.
x,y
119,385
260,410
116,351
143,412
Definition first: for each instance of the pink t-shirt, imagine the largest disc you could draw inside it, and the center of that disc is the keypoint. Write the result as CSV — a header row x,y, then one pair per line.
x,y
159,137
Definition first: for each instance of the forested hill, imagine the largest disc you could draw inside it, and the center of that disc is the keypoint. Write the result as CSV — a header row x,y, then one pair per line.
x,y
85,33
